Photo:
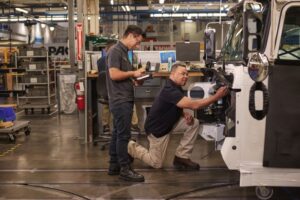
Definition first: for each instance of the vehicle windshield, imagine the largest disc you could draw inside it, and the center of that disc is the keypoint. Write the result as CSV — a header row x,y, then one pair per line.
x,y
290,40
232,50
233,46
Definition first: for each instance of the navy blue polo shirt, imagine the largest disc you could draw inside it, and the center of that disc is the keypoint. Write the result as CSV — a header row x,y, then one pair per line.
x,y
164,113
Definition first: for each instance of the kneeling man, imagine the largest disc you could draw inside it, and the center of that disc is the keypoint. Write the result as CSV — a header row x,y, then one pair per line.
x,y
166,115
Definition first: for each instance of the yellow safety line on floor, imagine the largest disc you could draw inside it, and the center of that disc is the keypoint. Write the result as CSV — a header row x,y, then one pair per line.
x,y
9,150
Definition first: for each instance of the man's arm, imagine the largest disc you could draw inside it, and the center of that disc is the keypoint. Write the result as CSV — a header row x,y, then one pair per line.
x,y
118,75
187,102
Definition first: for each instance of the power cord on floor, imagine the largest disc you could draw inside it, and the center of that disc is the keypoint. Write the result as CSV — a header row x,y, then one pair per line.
x,y
59,190
208,154
216,185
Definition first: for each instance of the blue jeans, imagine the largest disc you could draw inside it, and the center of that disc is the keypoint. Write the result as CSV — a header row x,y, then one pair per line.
x,y
122,114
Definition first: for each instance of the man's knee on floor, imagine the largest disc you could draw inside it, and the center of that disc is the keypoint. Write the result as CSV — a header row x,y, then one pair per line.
x,y
156,163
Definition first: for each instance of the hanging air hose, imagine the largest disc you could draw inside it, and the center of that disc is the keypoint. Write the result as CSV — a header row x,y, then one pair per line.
x,y
258,114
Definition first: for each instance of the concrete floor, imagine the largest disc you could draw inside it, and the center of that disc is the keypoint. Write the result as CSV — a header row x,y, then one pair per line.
x,y
52,163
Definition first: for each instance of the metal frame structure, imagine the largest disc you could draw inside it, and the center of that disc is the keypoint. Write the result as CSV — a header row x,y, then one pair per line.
x,y
43,72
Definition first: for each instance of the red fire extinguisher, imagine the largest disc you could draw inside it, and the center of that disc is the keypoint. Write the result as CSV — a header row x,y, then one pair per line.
x,y
80,99
80,102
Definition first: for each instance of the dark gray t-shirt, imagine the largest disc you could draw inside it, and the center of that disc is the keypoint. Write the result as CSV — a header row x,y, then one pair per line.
x,y
119,91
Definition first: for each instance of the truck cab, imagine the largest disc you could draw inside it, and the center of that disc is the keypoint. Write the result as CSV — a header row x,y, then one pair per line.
x,y
262,54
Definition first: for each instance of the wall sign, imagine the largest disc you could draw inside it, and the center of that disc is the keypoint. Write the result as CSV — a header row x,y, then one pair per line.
x,y
79,42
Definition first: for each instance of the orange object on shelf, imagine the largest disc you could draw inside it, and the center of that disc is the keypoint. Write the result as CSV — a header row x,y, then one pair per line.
x,y
6,124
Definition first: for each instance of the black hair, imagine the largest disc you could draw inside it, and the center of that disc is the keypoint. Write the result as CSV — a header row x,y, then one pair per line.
x,y
135,30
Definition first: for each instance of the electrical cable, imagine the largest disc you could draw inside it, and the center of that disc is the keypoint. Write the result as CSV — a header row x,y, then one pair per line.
x,y
97,170
208,154
55,189
201,188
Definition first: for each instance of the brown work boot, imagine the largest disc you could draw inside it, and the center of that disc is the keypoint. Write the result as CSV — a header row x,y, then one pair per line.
x,y
185,164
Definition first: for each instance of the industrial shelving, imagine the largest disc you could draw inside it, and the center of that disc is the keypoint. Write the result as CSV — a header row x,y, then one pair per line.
x,y
38,81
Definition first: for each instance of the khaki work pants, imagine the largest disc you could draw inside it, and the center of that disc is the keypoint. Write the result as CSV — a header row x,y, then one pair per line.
x,y
107,117
155,155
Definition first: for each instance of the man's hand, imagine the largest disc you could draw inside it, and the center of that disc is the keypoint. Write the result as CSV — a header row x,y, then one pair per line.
x,y
188,118
221,92
138,72
137,83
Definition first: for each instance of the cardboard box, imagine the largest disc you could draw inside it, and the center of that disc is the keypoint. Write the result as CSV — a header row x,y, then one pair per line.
x,y
9,81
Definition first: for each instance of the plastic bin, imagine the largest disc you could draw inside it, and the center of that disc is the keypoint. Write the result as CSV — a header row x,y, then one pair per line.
x,y
7,114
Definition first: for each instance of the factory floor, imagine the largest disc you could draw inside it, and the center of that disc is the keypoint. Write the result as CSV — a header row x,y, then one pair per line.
x,y
54,163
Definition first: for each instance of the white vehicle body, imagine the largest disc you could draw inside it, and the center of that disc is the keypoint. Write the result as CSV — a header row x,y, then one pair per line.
x,y
264,151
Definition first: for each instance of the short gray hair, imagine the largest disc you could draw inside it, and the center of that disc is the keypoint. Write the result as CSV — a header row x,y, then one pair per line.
x,y
176,65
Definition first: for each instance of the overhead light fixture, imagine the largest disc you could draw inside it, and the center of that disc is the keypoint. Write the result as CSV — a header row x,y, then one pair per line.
x,y
56,12
225,7
22,10
111,2
161,1
188,21
127,8
13,19
124,9
184,15
55,18
51,28
43,25
175,8
40,19
65,7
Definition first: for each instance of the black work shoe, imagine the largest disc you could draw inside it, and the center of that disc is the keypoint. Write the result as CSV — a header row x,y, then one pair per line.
x,y
185,164
135,128
114,169
129,174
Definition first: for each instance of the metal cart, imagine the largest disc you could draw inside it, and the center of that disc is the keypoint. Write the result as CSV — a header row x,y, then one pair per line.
x,y
15,129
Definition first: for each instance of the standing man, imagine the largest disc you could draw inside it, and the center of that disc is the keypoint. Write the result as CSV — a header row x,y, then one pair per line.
x,y
166,115
120,81
106,118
